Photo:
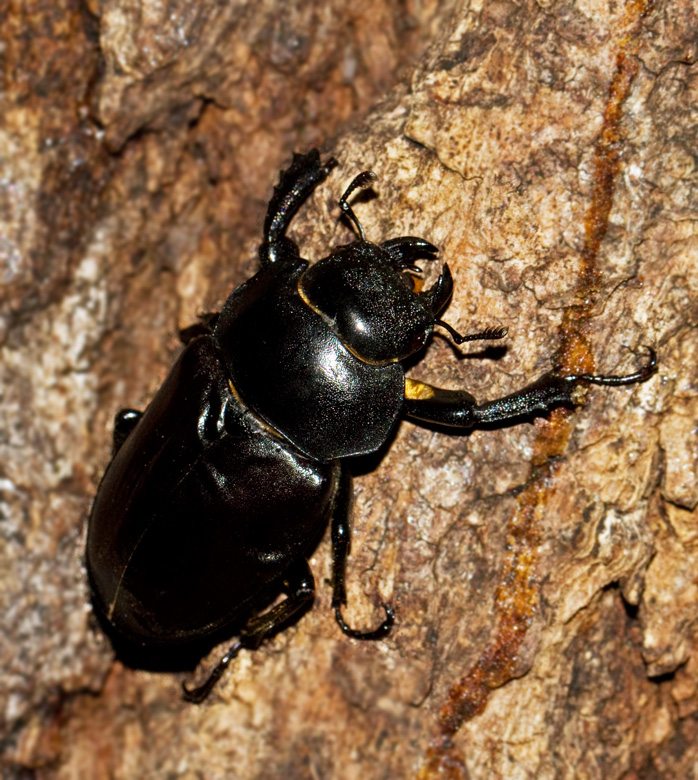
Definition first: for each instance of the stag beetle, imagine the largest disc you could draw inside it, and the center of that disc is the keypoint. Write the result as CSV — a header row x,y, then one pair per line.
x,y
218,492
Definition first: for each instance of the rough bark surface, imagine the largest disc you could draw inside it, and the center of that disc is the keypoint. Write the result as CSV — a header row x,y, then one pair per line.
x,y
544,575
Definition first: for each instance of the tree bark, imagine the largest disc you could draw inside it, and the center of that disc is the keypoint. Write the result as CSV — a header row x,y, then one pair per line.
x,y
543,574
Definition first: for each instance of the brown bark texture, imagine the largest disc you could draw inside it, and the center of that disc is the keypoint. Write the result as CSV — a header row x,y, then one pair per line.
x,y
545,574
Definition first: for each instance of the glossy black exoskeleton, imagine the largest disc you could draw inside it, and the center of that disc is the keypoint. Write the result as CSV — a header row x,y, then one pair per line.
x,y
219,491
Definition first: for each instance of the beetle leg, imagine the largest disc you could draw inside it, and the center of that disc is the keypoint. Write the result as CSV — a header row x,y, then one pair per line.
x,y
459,409
201,692
204,327
300,589
341,542
124,422
295,185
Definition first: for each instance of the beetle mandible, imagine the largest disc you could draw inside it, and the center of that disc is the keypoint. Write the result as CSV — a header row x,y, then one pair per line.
x,y
219,491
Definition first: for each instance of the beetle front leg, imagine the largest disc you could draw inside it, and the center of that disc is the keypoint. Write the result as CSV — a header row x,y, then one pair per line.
x,y
459,409
295,185
300,589
341,543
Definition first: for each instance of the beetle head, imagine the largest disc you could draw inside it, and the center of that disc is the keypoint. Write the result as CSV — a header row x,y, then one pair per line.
x,y
366,292
367,295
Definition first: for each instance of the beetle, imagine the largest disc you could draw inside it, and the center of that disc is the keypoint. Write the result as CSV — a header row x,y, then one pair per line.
x,y
219,491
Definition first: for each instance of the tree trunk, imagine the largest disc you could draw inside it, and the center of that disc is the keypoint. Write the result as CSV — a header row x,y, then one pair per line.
x,y
543,574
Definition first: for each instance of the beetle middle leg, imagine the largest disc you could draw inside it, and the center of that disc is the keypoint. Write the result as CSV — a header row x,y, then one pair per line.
x,y
341,542
124,422
300,589
459,409
203,327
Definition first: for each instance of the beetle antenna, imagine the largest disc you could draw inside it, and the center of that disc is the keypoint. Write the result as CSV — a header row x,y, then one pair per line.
x,y
363,180
483,335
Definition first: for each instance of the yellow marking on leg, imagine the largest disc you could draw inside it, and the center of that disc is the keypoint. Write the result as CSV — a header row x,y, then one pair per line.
x,y
417,391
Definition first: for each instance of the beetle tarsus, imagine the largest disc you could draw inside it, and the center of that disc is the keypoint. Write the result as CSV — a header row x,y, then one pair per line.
x,y
376,633
201,692
629,379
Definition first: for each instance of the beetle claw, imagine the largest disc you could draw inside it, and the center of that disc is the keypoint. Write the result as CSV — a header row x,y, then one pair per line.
x,y
201,692
645,372
198,694
376,633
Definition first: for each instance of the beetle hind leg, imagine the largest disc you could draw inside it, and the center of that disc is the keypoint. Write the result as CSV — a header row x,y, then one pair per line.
x,y
300,589
341,541
201,692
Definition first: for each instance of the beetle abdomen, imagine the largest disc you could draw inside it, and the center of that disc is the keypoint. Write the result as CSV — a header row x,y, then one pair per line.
x,y
201,512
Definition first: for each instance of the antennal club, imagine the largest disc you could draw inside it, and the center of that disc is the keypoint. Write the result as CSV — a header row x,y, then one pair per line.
x,y
363,180
490,334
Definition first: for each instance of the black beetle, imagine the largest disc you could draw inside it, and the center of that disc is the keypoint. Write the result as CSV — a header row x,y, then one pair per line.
x,y
219,491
